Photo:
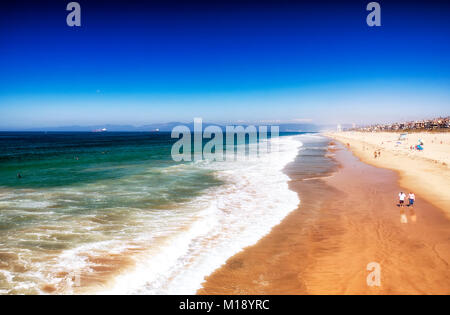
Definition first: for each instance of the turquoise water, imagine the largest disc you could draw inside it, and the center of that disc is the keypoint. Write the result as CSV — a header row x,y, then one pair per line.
x,y
63,159
86,201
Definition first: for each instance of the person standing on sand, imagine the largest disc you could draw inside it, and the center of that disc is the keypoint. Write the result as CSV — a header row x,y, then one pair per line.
x,y
402,197
412,199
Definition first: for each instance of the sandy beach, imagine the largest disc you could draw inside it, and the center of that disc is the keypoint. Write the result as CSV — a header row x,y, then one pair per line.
x,y
347,220
426,172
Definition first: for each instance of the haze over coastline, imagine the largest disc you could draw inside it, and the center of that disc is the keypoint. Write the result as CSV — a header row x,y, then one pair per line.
x,y
168,127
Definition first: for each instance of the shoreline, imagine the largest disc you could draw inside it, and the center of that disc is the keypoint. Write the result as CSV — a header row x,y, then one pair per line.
x,y
187,278
420,172
344,222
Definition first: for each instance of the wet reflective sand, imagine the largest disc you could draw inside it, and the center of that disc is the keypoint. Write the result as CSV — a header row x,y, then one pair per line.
x,y
344,222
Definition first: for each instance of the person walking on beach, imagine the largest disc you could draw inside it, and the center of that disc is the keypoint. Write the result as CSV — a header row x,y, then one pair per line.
x,y
412,199
402,197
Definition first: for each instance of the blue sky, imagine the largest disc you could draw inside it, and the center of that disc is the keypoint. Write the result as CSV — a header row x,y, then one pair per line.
x,y
135,63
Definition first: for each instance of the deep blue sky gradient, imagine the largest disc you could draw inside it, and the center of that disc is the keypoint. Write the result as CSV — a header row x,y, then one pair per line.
x,y
137,62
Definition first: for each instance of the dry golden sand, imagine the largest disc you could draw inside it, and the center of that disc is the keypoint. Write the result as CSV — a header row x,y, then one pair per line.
x,y
345,222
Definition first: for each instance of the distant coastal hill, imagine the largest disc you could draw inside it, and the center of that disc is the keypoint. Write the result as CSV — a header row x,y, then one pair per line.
x,y
164,127
440,124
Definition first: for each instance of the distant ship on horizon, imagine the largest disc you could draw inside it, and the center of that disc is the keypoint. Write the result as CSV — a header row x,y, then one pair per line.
x,y
100,130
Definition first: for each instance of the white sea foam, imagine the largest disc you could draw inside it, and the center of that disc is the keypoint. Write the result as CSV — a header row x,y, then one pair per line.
x,y
231,217
185,243
8,275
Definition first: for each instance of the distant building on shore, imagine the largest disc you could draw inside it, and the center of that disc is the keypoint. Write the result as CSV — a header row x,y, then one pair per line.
x,y
441,123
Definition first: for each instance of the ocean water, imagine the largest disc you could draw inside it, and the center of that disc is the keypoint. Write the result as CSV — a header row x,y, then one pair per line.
x,y
112,213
